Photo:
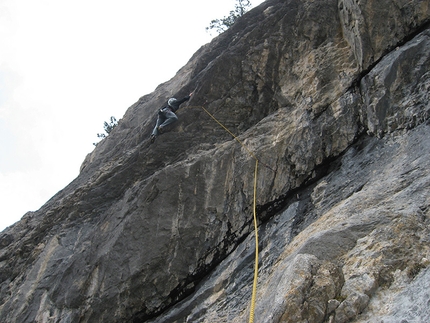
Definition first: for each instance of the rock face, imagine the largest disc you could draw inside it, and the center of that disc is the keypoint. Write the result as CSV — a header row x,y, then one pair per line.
x,y
333,99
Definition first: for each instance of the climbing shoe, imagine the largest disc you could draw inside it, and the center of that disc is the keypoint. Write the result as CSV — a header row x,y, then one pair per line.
x,y
152,138
160,130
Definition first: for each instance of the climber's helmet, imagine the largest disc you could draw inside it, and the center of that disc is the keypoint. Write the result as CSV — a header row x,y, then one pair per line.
x,y
171,102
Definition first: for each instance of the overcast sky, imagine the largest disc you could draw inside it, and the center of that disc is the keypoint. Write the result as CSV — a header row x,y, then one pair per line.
x,y
68,66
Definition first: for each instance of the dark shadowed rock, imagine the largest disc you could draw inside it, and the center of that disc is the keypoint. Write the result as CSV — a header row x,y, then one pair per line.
x,y
332,97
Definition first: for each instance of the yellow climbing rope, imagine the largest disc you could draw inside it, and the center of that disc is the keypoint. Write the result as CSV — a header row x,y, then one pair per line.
x,y
254,286
237,139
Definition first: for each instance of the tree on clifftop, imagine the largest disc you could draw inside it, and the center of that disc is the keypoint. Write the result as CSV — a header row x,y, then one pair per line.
x,y
221,25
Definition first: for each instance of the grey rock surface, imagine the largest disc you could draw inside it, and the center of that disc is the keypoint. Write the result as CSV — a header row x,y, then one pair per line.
x,y
332,97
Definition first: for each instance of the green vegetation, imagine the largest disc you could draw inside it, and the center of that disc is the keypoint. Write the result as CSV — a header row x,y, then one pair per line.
x,y
108,128
221,25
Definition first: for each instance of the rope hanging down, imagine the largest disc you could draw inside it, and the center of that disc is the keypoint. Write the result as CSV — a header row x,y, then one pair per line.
x,y
254,286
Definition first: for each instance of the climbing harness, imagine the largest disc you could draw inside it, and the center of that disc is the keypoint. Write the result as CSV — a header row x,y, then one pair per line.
x,y
254,286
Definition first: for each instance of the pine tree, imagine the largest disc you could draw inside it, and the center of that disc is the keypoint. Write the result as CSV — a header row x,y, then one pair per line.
x,y
221,25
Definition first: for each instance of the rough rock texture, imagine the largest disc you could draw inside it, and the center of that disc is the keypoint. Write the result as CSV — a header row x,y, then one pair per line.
x,y
333,99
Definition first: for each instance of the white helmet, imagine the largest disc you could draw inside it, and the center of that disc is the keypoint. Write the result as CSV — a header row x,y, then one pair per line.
x,y
171,101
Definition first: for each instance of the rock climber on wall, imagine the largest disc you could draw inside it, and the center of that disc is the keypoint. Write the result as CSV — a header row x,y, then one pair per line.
x,y
166,115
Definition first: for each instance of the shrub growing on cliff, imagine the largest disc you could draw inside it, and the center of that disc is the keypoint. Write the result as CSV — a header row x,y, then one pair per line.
x,y
108,128
221,25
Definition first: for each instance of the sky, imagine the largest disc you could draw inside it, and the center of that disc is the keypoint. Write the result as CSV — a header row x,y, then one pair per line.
x,y
68,66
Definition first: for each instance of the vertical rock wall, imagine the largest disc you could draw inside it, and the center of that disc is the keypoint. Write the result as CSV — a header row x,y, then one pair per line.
x,y
332,96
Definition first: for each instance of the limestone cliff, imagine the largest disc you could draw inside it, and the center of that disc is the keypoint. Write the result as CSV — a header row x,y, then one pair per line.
x,y
333,99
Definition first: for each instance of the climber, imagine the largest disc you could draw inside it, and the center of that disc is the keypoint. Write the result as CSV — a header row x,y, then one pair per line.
x,y
166,115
